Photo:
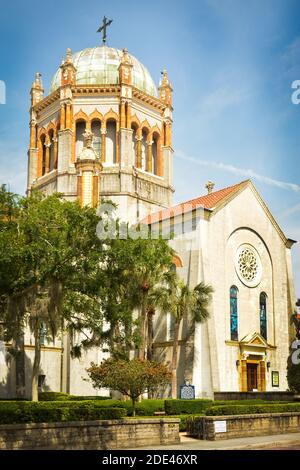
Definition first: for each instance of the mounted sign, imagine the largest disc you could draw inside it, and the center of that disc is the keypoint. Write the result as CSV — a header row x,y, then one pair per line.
x,y
275,378
187,392
220,426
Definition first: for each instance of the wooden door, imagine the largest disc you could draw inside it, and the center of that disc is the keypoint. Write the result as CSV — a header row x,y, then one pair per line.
x,y
252,377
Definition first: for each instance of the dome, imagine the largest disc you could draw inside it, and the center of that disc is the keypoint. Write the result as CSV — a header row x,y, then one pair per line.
x,y
99,66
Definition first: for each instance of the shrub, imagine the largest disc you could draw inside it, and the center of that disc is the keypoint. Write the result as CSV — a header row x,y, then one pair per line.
x,y
83,397
293,374
178,407
131,378
58,396
45,412
54,396
252,409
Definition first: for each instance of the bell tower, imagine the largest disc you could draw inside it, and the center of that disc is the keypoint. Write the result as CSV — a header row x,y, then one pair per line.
x,y
104,132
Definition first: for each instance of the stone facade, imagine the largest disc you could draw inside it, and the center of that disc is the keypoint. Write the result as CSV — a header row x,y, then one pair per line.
x,y
209,357
90,435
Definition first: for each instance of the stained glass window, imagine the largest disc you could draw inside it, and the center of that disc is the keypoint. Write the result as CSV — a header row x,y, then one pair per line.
x,y
263,314
234,313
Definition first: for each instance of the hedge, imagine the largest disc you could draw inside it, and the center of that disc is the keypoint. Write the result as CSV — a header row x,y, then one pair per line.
x,y
58,396
45,412
179,407
253,409
143,408
200,405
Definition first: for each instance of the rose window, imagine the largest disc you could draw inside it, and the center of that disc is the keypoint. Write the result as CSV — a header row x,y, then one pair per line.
x,y
248,265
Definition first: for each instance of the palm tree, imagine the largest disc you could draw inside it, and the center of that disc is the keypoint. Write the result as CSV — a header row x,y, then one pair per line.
x,y
178,300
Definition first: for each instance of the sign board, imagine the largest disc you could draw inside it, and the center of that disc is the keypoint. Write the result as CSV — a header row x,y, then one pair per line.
x,y
275,378
220,426
187,392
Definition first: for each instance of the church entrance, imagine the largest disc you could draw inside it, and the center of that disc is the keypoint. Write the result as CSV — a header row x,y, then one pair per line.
x,y
252,377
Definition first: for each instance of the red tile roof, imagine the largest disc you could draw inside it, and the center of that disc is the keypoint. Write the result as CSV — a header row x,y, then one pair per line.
x,y
209,201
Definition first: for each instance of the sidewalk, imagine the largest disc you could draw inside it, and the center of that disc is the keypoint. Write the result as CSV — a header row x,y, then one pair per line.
x,y
244,443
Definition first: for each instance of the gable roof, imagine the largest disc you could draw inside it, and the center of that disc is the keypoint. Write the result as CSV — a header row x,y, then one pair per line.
x,y
208,201
254,339
213,201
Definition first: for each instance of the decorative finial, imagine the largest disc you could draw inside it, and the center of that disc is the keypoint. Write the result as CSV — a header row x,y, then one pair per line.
x,y
69,55
164,78
210,187
38,79
102,28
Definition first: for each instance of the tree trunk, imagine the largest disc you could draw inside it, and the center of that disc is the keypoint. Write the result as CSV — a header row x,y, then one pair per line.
x,y
36,364
150,336
174,359
143,319
133,406
20,366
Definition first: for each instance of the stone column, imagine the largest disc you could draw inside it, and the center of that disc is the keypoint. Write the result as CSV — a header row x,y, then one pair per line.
x,y
32,134
139,151
47,160
55,151
128,115
62,116
122,114
32,155
244,375
68,116
149,156
103,144
262,376
125,145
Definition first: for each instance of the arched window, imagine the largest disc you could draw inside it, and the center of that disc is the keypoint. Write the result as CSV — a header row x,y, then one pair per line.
x,y
43,153
111,140
144,149
96,130
154,153
51,149
234,313
134,144
263,314
80,130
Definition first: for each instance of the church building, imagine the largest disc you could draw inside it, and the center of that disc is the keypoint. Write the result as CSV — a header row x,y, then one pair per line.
x,y
104,131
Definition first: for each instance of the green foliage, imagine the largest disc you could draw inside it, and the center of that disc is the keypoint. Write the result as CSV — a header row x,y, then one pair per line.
x,y
200,405
131,378
45,412
58,396
293,375
54,396
134,269
253,409
178,407
143,408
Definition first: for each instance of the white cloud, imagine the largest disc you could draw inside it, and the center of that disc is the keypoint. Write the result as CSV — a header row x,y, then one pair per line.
x,y
220,99
245,172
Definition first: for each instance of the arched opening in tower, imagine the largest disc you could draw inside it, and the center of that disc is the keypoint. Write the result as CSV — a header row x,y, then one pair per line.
x,y
96,130
80,130
111,140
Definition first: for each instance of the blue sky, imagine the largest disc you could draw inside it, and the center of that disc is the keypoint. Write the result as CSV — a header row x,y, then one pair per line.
x,y
231,63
